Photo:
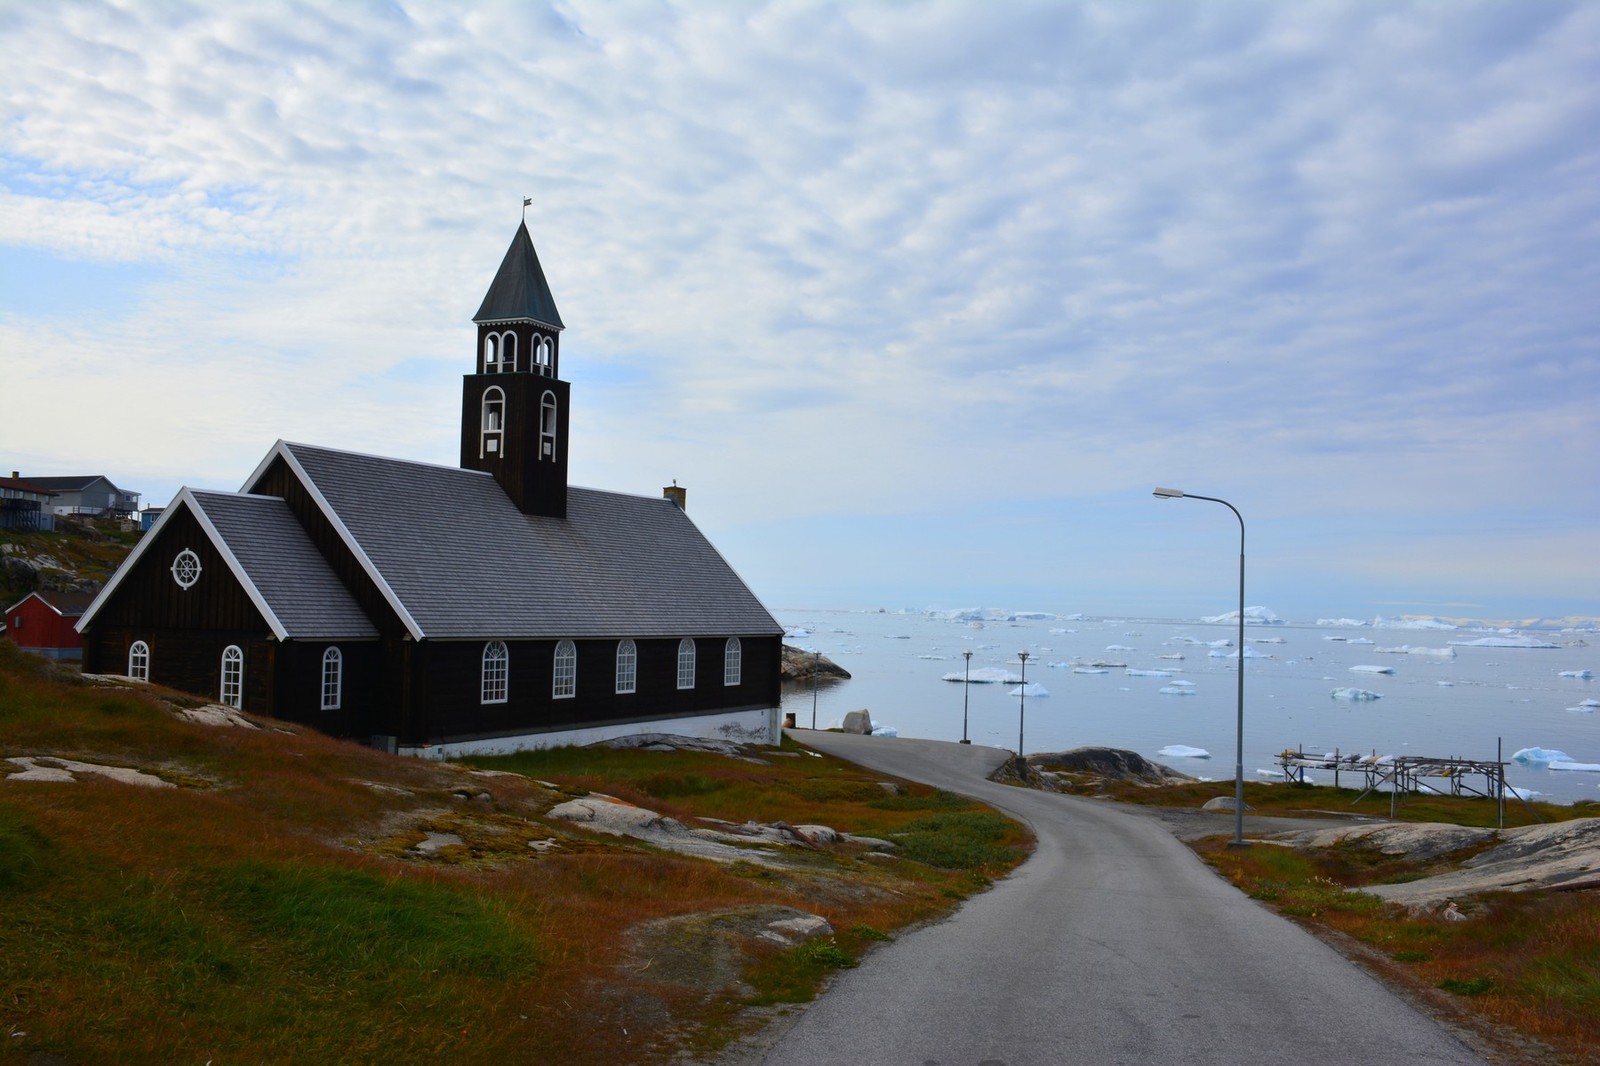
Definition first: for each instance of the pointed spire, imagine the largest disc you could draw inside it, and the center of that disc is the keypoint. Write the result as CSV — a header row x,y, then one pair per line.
x,y
519,290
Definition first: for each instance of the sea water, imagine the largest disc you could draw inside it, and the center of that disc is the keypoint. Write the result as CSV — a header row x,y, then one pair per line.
x,y
1470,704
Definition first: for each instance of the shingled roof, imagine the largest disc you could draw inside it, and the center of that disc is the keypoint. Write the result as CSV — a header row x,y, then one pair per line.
x,y
457,559
519,290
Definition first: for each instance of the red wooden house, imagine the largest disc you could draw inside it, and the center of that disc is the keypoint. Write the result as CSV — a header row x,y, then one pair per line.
x,y
45,622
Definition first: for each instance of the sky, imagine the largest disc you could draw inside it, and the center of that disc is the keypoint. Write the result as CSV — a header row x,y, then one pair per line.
x,y
919,300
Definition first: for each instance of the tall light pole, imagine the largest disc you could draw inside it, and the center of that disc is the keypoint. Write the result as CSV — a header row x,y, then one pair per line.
x,y
816,668
966,693
1238,763
1022,707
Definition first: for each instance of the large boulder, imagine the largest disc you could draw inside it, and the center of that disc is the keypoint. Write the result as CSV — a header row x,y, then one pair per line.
x,y
1108,764
858,722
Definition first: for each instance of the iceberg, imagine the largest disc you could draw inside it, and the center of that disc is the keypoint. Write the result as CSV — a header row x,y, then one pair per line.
x,y
796,632
1178,688
1581,675
1340,623
1406,649
1586,707
1090,670
1183,751
1540,756
886,731
1032,688
985,675
1249,653
1149,673
1372,669
1256,616
1119,647
1412,623
1503,642
1355,694
1224,643
1567,764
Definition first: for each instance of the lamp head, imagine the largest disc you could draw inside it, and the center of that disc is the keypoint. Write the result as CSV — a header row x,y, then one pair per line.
x,y
1168,494
967,653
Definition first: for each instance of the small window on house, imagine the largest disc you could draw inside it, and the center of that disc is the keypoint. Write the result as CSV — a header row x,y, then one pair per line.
x,y
332,679
732,661
686,663
232,677
496,669
565,684
627,666
139,661
547,426
494,421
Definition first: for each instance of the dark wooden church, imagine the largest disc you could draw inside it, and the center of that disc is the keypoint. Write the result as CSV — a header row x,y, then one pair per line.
x,y
511,610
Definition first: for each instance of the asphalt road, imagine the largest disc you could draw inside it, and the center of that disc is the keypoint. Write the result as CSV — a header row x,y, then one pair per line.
x,y
1112,945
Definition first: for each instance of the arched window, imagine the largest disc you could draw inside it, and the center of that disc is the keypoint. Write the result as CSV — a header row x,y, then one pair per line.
x,y
627,666
686,663
732,661
508,352
547,425
496,670
565,684
491,353
542,355
232,676
494,421
139,661
332,679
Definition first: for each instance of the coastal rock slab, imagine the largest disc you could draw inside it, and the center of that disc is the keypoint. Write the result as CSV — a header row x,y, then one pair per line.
x,y
1422,841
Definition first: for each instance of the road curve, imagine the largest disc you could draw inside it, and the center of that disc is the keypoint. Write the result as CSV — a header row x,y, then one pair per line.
x,y
1111,945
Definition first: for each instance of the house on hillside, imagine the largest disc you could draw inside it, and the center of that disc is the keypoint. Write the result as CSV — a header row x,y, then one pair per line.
x,y
514,610
45,623
90,495
25,505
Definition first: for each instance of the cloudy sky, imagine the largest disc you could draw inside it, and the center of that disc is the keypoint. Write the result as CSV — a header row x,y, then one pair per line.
x,y
919,300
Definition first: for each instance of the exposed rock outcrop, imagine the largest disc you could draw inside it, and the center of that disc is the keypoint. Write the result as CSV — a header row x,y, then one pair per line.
x,y
1108,764
801,665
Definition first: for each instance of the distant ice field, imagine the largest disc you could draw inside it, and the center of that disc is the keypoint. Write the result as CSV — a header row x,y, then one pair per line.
x,y
1440,692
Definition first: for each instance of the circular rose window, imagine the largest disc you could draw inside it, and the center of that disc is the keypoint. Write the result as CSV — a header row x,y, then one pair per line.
x,y
186,568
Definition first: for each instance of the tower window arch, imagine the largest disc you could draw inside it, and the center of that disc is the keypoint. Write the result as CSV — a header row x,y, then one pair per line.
x,y
732,662
627,667
543,356
564,684
508,352
686,663
547,425
232,693
491,353
492,435
332,679
494,686
139,661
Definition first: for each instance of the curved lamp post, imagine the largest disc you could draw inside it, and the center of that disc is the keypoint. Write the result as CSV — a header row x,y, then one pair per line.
x,y
966,692
1238,764
1022,705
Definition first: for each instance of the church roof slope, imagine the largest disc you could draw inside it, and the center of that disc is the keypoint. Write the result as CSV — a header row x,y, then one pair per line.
x,y
519,290
465,563
277,562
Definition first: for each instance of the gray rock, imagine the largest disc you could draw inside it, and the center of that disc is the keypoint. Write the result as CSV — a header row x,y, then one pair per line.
x,y
858,722
1222,803
1111,763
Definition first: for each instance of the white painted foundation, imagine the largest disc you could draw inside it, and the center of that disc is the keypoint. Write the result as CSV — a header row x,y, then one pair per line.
x,y
758,726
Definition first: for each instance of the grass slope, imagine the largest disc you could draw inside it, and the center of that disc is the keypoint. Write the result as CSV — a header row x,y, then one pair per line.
x,y
272,907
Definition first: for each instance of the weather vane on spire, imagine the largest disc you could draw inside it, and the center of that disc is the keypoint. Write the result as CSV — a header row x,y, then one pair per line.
x,y
526,200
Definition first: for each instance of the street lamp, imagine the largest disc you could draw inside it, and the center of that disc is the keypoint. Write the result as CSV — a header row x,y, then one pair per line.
x,y
1238,763
1022,706
816,668
966,694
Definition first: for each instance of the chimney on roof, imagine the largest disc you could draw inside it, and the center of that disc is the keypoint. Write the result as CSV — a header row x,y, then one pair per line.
x,y
16,476
679,496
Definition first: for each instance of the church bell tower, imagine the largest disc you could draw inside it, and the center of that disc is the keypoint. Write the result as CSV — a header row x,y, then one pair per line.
x,y
514,408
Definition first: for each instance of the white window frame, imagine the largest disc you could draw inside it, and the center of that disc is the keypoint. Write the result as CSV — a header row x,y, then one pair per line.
x,y
564,676
491,435
332,679
231,691
139,661
627,667
686,663
548,413
495,678
186,568
732,662
491,353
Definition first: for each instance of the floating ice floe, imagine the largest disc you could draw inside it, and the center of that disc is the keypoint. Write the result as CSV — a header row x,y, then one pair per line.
x,y
984,675
1540,756
1445,684
1265,640
1503,642
1175,655
1224,643
1359,640
886,731
1355,694
1412,623
1406,649
1586,767
1183,751
1032,688
1249,653
1586,707
1340,623
1119,647
1090,670
1178,688
1364,669
1256,616
939,658
796,632
1148,673
1581,675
